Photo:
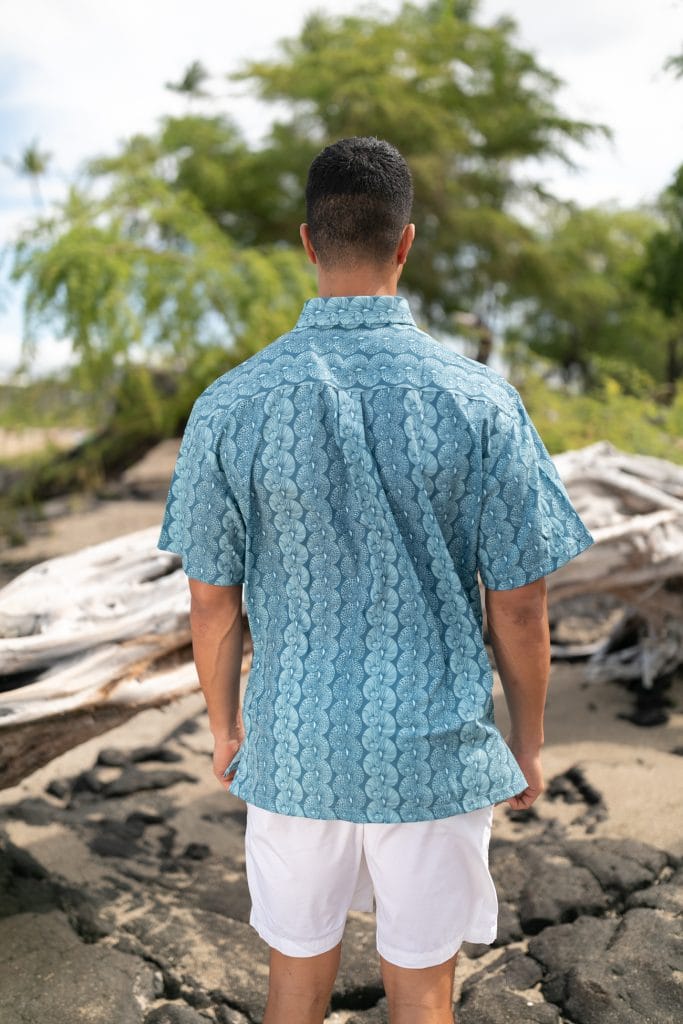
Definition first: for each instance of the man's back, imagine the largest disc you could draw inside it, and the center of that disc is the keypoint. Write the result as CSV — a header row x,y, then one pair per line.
x,y
356,475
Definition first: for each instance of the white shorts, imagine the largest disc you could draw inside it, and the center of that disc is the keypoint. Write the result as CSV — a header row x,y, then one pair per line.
x,y
428,881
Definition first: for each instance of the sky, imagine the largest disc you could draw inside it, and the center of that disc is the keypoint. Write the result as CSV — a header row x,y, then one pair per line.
x,y
79,77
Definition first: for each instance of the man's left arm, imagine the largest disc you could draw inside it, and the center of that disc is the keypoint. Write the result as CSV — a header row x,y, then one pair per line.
x,y
216,624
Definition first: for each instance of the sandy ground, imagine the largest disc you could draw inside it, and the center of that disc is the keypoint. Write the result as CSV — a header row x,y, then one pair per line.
x,y
33,439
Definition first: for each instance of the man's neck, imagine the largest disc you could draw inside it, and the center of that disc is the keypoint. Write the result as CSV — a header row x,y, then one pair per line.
x,y
362,281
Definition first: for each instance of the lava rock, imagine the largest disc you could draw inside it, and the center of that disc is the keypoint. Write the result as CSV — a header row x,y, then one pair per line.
x,y
490,1002
133,780
666,895
557,890
619,865
45,967
117,838
561,946
228,1015
359,979
59,788
174,1013
33,810
624,992
196,851
509,927
113,757
155,753
24,883
201,952
87,782
646,934
377,1014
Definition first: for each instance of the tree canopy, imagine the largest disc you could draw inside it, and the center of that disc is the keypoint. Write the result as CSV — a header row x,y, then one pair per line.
x,y
181,251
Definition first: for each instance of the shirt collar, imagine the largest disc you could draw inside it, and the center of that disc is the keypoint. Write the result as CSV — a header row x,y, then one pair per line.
x,y
355,311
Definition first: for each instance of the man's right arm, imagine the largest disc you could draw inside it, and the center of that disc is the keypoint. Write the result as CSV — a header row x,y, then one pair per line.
x,y
519,634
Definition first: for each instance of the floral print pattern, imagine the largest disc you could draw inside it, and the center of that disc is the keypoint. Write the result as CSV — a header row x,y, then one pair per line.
x,y
357,476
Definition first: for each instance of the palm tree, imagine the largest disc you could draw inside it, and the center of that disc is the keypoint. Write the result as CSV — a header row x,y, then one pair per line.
x,y
33,164
192,81
675,64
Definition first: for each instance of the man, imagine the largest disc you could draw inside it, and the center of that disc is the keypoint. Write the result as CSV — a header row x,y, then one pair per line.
x,y
356,475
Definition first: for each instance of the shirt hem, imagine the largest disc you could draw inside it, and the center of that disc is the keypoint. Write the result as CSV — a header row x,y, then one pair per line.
x,y
497,796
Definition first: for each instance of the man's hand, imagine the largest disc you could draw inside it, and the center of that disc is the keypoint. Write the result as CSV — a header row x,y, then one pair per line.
x,y
529,761
223,752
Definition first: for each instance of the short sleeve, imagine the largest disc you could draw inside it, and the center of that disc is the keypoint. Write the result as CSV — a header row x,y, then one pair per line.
x,y
202,521
528,525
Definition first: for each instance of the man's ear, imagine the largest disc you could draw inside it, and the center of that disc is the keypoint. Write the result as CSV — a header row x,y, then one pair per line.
x,y
306,240
407,239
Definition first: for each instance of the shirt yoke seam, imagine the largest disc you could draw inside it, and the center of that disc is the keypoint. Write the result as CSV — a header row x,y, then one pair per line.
x,y
364,387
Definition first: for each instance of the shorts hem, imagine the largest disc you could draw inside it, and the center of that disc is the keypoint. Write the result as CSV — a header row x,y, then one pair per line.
x,y
293,947
400,958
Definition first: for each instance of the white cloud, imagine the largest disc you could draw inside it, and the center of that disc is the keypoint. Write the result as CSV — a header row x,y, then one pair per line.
x,y
610,55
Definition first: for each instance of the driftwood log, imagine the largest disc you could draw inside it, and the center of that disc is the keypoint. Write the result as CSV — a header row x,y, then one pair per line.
x,y
87,640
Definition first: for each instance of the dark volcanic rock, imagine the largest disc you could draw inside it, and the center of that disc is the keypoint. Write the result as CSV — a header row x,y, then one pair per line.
x,y
174,1013
114,757
557,890
228,1015
562,946
205,957
574,788
509,927
647,934
196,851
24,883
612,971
619,865
117,838
134,780
628,992
48,974
377,1014
490,1002
666,894
210,890
359,979
59,788
86,782
34,811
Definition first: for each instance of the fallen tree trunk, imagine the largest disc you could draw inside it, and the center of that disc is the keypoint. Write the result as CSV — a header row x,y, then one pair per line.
x,y
89,639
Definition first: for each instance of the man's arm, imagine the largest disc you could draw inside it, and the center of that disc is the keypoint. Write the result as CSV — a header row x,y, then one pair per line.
x,y
216,625
519,634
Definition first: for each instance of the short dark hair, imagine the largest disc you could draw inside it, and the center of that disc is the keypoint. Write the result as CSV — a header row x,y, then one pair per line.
x,y
359,196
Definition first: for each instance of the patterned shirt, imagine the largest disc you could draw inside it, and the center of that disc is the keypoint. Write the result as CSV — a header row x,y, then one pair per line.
x,y
356,475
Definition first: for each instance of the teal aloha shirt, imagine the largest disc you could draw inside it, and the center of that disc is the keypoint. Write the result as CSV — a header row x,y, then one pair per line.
x,y
355,475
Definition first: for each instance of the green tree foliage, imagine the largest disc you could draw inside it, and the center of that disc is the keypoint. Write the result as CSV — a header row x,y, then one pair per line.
x,y
464,103
661,276
178,256
588,318
192,82
143,277
32,164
